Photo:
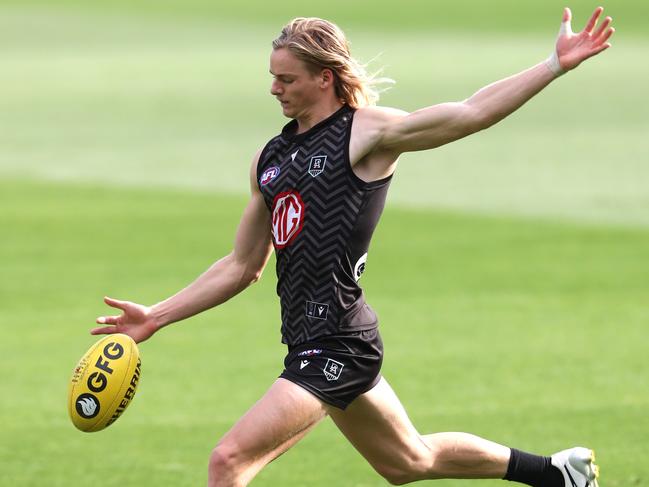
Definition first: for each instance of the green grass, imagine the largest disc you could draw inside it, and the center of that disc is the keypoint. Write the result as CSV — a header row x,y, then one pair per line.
x,y
425,15
509,270
531,334
140,101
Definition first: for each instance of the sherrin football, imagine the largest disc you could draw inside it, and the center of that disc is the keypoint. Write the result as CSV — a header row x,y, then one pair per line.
x,y
103,382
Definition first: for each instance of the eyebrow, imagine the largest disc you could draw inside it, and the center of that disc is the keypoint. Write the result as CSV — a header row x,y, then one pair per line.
x,y
281,74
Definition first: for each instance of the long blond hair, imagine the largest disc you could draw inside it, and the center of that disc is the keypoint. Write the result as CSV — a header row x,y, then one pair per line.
x,y
321,44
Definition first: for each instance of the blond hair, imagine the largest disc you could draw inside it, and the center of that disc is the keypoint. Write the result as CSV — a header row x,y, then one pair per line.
x,y
321,44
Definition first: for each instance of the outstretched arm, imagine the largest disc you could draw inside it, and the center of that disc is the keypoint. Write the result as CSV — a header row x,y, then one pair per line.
x,y
398,132
224,279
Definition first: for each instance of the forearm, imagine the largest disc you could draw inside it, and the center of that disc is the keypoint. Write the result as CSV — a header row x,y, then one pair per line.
x,y
498,100
229,275
223,280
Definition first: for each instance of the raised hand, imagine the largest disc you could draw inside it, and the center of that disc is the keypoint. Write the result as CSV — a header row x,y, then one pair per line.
x,y
572,49
135,321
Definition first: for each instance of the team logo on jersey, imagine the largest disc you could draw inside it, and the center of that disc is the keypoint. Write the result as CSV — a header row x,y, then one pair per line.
x,y
268,175
332,370
288,217
317,310
317,165
359,268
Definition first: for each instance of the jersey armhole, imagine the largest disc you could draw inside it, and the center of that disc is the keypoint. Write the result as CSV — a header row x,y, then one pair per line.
x,y
348,163
260,165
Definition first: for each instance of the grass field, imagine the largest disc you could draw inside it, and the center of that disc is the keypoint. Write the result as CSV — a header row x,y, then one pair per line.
x,y
514,309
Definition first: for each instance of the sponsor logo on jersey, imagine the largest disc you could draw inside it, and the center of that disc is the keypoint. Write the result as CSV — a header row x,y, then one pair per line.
x,y
332,370
317,165
317,310
288,217
268,175
359,268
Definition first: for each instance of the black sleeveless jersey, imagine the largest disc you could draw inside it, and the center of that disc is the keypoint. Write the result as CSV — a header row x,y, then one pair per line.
x,y
323,217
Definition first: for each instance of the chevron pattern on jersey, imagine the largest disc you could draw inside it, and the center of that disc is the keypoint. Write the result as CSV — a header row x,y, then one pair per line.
x,y
316,228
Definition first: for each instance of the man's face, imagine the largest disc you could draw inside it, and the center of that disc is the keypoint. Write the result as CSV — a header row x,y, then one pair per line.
x,y
296,88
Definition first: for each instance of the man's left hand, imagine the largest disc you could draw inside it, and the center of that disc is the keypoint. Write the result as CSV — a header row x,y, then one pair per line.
x,y
573,48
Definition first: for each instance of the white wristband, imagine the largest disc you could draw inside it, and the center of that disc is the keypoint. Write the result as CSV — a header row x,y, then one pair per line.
x,y
553,61
554,65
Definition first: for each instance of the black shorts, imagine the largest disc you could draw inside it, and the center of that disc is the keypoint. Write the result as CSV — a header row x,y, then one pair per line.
x,y
337,368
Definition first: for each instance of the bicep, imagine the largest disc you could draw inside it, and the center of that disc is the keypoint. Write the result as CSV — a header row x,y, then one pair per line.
x,y
253,243
429,127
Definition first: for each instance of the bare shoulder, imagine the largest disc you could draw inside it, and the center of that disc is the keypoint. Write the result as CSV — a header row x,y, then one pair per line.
x,y
255,159
377,116
369,127
253,171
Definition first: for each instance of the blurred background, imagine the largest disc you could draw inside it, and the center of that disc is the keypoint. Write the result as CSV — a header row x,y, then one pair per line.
x,y
510,270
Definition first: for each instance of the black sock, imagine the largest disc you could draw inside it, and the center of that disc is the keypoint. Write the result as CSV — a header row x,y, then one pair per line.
x,y
533,470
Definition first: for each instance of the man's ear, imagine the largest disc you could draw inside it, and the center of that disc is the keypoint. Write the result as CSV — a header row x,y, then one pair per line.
x,y
327,78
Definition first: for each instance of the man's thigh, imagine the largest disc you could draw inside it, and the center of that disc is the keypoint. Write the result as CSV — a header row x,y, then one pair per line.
x,y
379,428
283,416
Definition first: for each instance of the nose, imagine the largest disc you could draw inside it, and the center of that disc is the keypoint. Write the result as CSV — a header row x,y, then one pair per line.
x,y
276,88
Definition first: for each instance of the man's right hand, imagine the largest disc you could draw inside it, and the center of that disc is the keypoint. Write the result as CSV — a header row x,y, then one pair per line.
x,y
135,321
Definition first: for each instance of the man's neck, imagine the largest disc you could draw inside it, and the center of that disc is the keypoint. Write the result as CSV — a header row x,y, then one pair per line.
x,y
319,113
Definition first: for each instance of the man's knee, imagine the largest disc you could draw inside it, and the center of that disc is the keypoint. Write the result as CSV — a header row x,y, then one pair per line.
x,y
403,474
396,476
409,469
224,464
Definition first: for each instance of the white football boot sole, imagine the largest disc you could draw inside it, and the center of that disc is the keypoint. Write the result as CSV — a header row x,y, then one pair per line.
x,y
577,466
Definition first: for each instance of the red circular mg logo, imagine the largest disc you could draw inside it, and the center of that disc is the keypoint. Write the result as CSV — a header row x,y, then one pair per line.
x,y
288,217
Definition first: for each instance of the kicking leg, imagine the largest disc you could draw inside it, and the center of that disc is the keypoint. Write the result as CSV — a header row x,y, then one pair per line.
x,y
281,418
378,426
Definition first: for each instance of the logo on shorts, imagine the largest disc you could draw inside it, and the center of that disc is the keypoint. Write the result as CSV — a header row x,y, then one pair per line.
x,y
288,217
310,352
315,310
332,370
317,165
304,363
268,175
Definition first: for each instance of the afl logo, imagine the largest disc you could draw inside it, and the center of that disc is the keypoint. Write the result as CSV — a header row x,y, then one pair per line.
x,y
268,175
288,217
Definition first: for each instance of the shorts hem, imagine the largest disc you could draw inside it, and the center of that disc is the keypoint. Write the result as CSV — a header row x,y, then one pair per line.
x,y
326,398
372,385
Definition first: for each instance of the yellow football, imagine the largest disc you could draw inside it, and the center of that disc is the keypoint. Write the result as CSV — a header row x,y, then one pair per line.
x,y
104,382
